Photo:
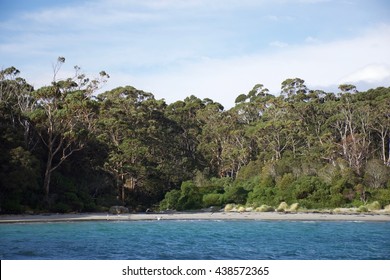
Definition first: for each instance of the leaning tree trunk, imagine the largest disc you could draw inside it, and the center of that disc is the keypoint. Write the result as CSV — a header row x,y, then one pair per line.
x,y
48,171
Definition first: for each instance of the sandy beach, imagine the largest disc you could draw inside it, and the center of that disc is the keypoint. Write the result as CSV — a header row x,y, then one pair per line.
x,y
266,216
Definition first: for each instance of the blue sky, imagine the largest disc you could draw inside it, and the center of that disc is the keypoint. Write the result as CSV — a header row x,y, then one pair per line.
x,y
209,48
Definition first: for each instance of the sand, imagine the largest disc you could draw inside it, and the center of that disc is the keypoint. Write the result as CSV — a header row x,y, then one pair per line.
x,y
265,216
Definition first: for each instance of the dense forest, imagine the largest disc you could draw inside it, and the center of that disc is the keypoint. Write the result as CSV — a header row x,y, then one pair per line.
x,y
65,148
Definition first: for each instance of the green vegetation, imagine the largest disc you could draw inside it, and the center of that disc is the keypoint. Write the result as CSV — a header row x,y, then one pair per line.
x,y
63,148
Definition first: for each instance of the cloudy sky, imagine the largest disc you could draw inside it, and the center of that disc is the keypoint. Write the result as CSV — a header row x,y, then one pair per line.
x,y
210,48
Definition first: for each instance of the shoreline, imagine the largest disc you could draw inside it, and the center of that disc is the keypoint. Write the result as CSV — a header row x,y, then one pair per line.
x,y
256,216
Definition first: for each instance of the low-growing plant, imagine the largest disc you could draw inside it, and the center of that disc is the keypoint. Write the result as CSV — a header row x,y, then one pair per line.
x,y
374,206
362,209
212,199
265,208
294,207
283,206
229,207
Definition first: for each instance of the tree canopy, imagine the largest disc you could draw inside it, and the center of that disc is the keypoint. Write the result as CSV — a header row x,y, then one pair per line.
x,y
63,147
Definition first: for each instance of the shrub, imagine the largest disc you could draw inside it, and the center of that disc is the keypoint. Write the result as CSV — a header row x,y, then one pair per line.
x,y
362,209
235,194
265,208
283,206
71,199
374,206
190,197
229,207
212,199
294,207
264,192
377,174
170,200
381,195
11,207
61,207
283,186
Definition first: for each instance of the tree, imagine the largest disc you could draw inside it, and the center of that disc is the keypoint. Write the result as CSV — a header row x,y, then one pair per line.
x,y
294,89
376,174
380,125
122,125
64,116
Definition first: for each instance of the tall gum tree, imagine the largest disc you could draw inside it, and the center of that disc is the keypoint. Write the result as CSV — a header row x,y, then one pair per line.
x,y
64,116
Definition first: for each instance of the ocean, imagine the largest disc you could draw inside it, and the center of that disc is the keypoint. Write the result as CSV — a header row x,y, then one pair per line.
x,y
196,240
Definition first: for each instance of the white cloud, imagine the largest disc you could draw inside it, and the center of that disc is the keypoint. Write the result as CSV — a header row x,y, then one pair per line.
x,y
278,44
375,73
312,40
322,66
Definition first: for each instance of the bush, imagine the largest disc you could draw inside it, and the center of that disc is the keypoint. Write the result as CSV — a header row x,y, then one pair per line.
x,y
362,209
212,199
374,206
263,193
170,201
381,195
283,206
284,189
190,197
235,194
11,206
377,174
265,208
72,200
312,192
61,207
229,207
294,207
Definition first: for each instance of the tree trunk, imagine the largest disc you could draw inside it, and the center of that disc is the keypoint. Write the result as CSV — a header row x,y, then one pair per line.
x,y
48,171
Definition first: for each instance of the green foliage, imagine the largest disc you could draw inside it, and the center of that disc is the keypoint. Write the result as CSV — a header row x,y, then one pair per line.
x,y
311,192
381,195
363,209
375,205
213,199
171,200
284,188
63,149
238,192
376,174
190,197
263,193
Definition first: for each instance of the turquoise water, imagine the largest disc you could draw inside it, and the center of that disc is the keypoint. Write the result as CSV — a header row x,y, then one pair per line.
x,y
168,240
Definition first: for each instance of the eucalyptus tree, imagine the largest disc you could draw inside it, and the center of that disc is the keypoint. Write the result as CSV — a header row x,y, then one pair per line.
x,y
19,165
294,88
213,136
16,102
185,115
250,107
380,123
121,126
64,116
145,153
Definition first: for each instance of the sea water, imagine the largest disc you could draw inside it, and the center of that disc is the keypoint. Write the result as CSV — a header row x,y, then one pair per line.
x,y
206,240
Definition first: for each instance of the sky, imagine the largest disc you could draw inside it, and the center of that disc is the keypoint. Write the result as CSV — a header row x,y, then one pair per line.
x,y
214,49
